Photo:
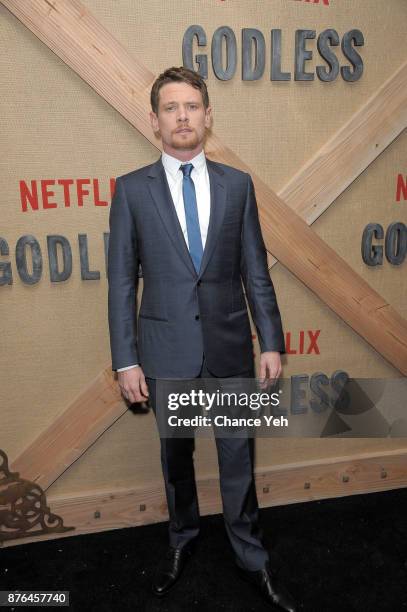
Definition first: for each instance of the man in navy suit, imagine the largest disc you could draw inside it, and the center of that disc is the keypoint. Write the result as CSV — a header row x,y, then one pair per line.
x,y
193,226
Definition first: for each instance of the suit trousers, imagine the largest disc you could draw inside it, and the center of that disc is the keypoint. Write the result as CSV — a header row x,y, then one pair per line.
x,y
237,486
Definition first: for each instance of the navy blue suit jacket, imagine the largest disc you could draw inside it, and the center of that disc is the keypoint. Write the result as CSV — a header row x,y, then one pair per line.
x,y
182,314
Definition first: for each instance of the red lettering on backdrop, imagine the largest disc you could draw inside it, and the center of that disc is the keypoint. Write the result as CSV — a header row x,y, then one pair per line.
x,y
80,190
326,2
38,193
46,194
313,342
67,196
299,348
112,186
98,202
27,196
288,348
290,345
401,188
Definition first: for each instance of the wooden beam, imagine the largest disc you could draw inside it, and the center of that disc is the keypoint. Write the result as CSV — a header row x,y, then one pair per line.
x,y
92,412
349,151
303,481
70,30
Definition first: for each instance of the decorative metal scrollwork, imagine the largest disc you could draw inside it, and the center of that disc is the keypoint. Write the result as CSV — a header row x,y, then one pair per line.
x,y
23,508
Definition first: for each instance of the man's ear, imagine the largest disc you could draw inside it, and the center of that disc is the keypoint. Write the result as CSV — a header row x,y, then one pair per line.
x,y
208,116
154,121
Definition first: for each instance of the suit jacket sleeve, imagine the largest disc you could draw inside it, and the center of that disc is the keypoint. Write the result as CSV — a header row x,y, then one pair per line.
x,y
123,281
256,279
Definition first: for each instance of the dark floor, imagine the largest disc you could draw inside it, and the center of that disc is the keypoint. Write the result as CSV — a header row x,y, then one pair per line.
x,y
347,554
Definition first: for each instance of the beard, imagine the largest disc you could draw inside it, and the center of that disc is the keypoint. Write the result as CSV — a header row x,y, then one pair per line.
x,y
185,140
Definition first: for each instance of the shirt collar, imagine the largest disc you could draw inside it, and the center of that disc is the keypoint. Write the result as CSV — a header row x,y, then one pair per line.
x,y
172,164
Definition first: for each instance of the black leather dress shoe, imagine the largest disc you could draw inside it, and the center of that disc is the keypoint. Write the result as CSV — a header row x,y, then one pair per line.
x,y
170,568
270,589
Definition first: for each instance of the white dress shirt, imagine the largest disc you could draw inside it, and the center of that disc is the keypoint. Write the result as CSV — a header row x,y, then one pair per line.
x,y
200,177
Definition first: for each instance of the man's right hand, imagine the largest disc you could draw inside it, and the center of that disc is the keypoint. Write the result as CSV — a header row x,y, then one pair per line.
x,y
133,385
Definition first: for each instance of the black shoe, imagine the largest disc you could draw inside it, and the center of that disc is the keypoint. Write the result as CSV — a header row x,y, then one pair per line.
x,y
170,568
270,589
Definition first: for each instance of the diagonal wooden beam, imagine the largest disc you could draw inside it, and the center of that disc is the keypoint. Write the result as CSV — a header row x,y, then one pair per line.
x,y
91,413
318,266
70,31
125,83
349,151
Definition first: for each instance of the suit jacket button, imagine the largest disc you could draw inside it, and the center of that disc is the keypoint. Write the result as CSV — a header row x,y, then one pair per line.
x,y
196,317
199,282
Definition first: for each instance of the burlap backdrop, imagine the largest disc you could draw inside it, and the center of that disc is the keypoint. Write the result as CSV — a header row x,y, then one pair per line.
x,y
54,336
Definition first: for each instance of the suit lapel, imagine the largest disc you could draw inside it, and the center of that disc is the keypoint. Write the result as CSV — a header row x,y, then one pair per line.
x,y
162,198
218,205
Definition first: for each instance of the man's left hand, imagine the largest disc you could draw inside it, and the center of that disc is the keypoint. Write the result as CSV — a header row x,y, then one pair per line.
x,y
270,368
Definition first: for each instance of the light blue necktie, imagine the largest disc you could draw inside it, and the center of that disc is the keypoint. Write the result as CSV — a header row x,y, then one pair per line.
x,y
191,215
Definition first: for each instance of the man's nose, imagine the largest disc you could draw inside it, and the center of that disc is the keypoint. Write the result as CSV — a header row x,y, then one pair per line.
x,y
182,114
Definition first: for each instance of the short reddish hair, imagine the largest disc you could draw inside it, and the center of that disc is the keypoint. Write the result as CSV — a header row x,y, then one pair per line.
x,y
181,75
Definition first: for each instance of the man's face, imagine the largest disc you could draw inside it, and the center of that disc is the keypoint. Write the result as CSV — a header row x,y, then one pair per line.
x,y
181,120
